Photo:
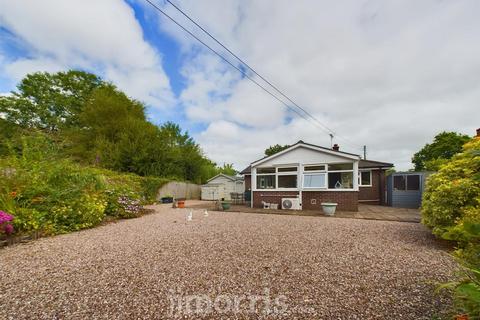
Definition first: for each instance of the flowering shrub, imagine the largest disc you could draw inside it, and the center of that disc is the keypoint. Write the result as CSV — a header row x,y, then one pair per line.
x,y
123,204
451,208
48,195
5,223
129,207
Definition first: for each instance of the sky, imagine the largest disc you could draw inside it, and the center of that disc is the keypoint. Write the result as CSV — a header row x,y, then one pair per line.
x,y
385,74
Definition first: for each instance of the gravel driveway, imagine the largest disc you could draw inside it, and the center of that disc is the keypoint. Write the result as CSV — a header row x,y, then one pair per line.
x,y
230,265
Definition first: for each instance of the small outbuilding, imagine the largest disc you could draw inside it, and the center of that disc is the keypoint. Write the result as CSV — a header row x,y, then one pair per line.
x,y
405,189
222,186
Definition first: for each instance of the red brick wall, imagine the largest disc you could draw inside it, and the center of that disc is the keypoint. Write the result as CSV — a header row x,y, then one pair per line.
x,y
271,197
347,200
248,182
373,192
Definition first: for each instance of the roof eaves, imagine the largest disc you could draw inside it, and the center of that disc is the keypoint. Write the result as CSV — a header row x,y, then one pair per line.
x,y
309,145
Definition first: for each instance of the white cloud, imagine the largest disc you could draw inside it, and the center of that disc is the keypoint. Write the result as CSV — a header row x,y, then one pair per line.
x,y
389,75
94,35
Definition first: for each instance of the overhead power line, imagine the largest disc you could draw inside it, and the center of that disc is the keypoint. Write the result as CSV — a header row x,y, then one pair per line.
x,y
250,67
230,63
309,117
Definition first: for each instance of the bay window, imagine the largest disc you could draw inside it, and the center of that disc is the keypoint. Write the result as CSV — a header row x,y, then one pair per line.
x,y
313,176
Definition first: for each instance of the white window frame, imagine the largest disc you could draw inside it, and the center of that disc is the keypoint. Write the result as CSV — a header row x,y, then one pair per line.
x,y
340,171
266,174
313,173
301,176
360,178
286,173
277,174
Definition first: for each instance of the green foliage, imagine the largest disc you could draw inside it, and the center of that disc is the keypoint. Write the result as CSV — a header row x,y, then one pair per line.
x,y
227,169
275,149
454,191
451,207
150,187
444,146
74,149
49,101
115,134
466,291
93,122
52,195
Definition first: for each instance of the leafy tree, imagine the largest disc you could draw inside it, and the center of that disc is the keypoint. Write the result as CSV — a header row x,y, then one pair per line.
x,y
111,128
444,146
275,149
95,123
49,101
227,169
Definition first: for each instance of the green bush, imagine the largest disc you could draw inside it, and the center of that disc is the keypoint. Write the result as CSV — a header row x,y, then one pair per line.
x,y
453,193
451,208
52,195
150,187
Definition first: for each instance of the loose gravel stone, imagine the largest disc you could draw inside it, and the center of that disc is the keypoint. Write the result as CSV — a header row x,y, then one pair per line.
x,y
295,267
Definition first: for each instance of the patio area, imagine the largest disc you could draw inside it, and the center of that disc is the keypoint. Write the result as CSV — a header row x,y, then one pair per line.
x,y
365,211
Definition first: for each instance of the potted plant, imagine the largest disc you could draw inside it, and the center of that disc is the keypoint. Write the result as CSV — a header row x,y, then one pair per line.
x,y
167,199
329,208
225,205
181,203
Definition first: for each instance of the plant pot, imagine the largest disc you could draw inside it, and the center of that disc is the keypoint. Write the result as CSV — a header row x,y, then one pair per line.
x,y
225,205
181,204
329,208
167,199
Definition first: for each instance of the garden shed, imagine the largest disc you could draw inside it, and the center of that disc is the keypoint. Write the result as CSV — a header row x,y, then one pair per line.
x,y
405,189
222,186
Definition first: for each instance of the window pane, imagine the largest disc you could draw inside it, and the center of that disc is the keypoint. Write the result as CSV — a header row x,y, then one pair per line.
x,y
365,178
340,180
314,180
266,182
289,169
340,166
399,183
413,182
289,181
265,170
314,168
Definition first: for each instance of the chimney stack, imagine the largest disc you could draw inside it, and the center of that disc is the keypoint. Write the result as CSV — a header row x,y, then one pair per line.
x,y
336,147
478,132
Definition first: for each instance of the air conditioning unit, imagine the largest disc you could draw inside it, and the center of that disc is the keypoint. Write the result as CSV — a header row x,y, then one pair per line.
x,y
291,203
